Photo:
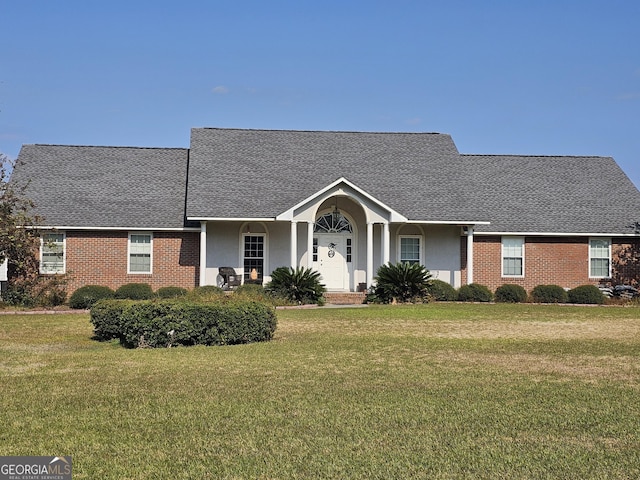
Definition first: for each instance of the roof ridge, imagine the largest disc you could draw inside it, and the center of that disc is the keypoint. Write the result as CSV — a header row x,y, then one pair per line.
x,y
130,147
317,131
530,155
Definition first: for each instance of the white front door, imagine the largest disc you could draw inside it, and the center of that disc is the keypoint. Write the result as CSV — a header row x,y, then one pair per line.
x,y
332,261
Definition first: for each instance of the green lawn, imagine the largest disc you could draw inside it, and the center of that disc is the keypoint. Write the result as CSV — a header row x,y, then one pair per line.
x,y
389,392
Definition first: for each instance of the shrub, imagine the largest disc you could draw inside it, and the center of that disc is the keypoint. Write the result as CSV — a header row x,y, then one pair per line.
x,y
206,293
549,294
85,297
589,294
401,282
134,291
173,323
474,292
300,285
171,292
442,291
511,294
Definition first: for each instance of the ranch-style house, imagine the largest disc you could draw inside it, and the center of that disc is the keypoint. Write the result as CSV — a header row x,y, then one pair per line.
x,y
341,203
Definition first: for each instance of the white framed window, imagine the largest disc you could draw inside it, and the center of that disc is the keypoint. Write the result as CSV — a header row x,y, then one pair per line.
x,y
52,253
600,257
410,249
253,255
140,253
513,256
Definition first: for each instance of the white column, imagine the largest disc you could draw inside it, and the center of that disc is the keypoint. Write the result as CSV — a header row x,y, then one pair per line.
x,y
386,246
369,255
310,244
203,253
294,244
470,255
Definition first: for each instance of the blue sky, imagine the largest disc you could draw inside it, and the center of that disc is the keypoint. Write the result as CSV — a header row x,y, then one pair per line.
x,y
536,77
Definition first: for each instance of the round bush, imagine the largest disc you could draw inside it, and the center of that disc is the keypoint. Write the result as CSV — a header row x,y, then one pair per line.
x,y
85,297
549,294
171,292
206,292
589,294
134,291
441,291
474,292
511,294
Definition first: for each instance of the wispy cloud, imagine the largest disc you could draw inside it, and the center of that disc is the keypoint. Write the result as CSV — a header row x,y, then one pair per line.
x,y
220,90
413,121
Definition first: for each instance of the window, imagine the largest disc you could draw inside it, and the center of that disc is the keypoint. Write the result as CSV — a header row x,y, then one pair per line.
x,y
315,249
140,252
600,257
253,256
512,256
410,249
349,250
52,253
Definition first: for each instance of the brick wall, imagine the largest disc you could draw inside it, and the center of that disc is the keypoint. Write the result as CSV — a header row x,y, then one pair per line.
x,y
100,258
550,260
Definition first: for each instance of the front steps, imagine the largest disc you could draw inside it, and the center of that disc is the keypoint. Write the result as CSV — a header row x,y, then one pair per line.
x,y
344,298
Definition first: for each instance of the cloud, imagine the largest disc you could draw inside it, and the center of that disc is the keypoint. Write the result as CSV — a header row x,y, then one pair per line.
x,y
220,90
414,121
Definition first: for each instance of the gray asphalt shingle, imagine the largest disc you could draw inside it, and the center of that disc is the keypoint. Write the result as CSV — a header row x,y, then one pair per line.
x,y
234,173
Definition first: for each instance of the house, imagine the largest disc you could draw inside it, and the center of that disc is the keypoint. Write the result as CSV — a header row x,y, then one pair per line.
x,y
342,203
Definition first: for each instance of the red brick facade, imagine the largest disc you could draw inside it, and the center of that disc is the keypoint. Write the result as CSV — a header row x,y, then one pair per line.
x,y
551,260
100,258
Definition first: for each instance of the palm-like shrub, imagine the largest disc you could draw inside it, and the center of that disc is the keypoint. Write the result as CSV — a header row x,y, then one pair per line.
x,y
402,282
299,285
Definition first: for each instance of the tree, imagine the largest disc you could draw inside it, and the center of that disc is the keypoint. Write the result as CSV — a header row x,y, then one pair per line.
x,y
20,242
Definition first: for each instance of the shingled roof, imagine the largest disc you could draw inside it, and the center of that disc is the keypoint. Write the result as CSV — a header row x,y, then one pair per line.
x,y
126,187
233,173
261,173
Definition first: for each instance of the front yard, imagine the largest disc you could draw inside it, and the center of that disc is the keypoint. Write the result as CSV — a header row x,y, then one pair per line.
x,y
429,391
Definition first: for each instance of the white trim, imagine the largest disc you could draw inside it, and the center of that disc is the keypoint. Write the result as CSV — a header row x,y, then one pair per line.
x,y
394,216
203,254
128,229
150,234
64,254
420,247
502,256
608,239
232,219
445,222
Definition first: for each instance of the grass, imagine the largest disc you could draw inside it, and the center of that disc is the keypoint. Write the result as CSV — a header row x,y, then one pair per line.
x,y
430,391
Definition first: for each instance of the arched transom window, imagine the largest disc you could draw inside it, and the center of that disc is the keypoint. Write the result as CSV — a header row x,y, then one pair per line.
x,y
333,222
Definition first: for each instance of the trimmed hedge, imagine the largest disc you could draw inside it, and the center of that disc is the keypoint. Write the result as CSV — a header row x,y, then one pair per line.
x,y
589,294
442,291
173,323
171,292
549,294
134,291
509,293
85,297
474,292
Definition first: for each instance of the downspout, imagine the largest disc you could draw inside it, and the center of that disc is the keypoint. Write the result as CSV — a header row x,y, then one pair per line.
x,y
469,255
203,253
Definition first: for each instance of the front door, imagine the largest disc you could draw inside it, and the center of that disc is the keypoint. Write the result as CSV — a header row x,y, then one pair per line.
x,y
332,261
